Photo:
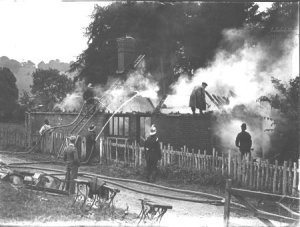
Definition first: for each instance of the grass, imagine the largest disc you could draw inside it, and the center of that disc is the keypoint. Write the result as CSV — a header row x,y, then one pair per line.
x,y
19,205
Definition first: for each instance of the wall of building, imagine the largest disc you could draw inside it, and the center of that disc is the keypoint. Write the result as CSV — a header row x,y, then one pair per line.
x,y
180,130
176,130
35,120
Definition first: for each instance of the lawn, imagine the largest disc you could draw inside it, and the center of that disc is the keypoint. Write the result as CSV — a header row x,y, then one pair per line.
x,y
22,205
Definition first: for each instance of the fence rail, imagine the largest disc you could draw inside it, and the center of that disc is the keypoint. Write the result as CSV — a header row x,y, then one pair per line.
x,y
255,175
250,174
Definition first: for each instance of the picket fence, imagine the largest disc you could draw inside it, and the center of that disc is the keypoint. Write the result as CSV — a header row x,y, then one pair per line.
x,y
12,137
248,173
255,175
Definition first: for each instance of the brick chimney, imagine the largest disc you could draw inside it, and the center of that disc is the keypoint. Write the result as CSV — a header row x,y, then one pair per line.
x,y
126,53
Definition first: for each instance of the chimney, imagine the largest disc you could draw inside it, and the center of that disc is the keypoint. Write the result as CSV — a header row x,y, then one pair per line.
x,y
126,53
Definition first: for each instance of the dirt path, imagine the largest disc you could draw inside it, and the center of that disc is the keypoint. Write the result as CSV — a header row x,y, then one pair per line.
x,y
183,213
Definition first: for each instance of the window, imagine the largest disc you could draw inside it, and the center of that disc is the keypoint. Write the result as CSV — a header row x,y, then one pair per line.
x,y
119,126
145,125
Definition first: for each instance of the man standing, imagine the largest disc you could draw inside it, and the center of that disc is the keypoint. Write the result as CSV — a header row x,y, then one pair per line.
x,y
91,143
44,139
152,154
73,162
197,98
243,141
45,127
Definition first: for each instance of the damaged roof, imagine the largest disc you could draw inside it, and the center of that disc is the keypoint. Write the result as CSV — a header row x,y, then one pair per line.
x,y
214,102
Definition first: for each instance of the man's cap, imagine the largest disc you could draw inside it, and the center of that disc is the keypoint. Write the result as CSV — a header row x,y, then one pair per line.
x,y
244,125
203,83
89,85
91,128
72,138
152,130
46,121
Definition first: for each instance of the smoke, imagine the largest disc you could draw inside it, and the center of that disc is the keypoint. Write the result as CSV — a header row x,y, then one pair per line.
x,y
118,91
115,92
73,101
245,68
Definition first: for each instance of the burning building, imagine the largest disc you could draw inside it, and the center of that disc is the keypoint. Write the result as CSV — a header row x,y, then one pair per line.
x,y
176,126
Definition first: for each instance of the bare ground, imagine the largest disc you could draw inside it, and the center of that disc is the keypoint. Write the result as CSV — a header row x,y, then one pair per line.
x,y
183,213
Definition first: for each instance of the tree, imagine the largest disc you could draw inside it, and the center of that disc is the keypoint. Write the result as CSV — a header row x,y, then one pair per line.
x,y
176,38
285,140
50,87
8,93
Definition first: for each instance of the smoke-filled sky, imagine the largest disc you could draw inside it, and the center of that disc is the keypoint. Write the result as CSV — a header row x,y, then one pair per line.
x,y
44,30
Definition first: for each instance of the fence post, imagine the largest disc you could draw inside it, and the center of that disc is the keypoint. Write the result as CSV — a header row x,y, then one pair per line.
x,y
101,150
275,176
199,160
229,162
223,166
125,152
136,157
172,155
193,158
290,179
213,158
258,175
298,175
227,202
294,190
162,151
181,158
284,177
168,154
140,156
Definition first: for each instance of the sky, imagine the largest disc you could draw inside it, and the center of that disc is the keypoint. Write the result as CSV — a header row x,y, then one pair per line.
x,y
44,30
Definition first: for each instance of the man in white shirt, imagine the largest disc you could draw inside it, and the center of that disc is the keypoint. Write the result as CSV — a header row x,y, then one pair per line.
x,y
45,127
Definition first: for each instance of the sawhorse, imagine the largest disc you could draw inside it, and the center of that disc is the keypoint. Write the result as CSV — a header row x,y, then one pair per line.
x,y
94,193
152,211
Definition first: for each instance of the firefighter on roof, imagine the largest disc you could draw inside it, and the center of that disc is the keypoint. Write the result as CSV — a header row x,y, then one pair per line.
x,y
197,98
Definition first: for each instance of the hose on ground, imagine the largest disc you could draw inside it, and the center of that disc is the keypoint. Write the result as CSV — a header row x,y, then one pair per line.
x,y
87,174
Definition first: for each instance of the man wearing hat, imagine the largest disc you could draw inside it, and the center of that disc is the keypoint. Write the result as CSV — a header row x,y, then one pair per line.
x,y
73,162
197,98
91,143
152,154
243,141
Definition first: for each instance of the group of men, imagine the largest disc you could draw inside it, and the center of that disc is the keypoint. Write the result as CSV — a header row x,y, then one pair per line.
x,y
152,144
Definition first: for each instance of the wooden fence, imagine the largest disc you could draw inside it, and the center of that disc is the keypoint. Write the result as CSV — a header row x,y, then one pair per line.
x,y
250,174
12,137
255,175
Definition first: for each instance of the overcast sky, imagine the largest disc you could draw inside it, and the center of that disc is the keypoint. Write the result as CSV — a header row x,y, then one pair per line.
x,y
43,30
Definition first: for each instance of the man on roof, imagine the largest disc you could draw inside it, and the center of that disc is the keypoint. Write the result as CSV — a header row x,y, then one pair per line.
x,y
197,98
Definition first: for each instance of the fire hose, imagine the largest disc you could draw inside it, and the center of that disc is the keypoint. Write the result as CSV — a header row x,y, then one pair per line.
x,y
110,180
30,149
120,107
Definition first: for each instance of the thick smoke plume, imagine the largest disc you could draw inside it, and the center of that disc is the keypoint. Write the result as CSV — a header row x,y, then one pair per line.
x,y
247,71
115,92
73,101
